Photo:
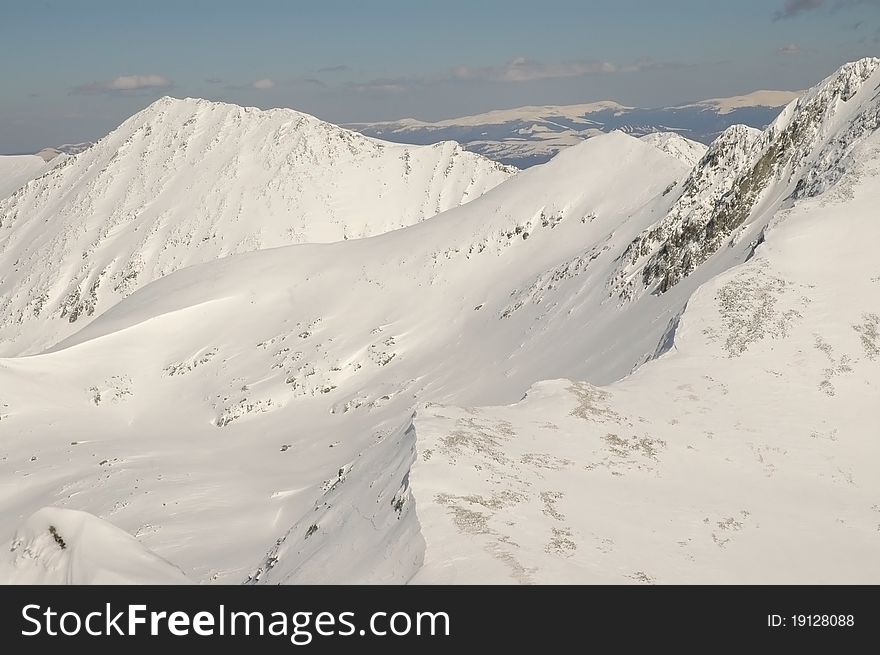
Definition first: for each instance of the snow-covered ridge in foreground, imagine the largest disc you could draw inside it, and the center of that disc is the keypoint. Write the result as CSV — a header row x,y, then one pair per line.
x,y
64,546
747,453
188,181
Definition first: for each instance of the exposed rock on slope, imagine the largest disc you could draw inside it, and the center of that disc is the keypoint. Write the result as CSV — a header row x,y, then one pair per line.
x,y
746,453
746,176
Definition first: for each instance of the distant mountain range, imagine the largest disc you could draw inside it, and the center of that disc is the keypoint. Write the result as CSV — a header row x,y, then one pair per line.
x,y
526,136
66,149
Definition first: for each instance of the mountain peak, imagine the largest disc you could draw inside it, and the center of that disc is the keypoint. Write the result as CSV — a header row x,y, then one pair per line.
x,y
672,143
189,180
193,105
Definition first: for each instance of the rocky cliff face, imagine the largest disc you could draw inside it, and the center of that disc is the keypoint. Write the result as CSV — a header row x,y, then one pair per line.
x,y
747,174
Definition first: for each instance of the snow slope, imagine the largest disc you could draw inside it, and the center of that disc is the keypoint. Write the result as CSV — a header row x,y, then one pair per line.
x,y
251,419
16,170
745,454
188,181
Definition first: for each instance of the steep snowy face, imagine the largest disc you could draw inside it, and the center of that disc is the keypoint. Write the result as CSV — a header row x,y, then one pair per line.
x,y
188,181
710,180
685,150
745,176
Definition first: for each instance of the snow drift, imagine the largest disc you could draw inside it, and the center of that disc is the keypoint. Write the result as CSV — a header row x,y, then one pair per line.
x,y
64,546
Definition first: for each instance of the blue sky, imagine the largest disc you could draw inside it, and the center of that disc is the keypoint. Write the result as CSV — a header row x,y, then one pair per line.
x,y
74,69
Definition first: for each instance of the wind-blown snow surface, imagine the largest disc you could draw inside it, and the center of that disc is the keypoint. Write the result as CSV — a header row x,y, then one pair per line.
x,y
187,181
251,419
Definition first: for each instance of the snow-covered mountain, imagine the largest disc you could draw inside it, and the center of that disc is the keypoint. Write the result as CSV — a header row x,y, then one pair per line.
x,y
741,452
526,136
188,181
746,177
318,412
689,152
745,454
763,98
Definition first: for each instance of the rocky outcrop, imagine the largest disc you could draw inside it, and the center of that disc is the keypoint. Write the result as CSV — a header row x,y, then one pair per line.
x,y
746,172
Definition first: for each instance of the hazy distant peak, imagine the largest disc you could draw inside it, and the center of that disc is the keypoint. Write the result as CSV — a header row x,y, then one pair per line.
x,y
761,98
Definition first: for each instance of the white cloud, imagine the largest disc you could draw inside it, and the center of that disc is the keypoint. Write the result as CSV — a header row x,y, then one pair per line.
x,y
263,84
516,70
528,70
125,83
135,82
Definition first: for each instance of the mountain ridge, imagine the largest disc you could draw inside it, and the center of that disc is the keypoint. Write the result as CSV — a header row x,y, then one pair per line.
x,y
806,144
186,181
